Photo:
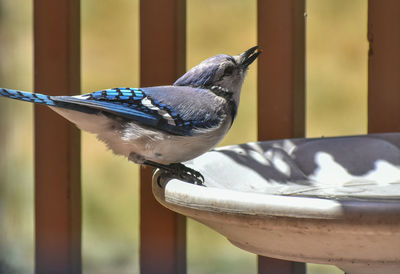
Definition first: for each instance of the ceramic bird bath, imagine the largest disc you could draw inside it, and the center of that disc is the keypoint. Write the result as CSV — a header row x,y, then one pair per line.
x,y
327,200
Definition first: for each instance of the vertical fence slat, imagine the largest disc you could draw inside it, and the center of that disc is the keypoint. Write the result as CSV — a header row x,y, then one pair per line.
x,y
57,142
281,87
163,51
281,70
383,66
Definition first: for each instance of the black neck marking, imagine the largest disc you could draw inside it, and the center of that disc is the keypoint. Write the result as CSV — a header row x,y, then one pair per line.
x,y
222,92
227,95
232,109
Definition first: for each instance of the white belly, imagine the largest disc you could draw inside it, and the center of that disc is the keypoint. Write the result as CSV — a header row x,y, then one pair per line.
x,y
166,148
150,144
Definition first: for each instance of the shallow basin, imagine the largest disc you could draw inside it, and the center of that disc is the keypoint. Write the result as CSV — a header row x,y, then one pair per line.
x,y
326,200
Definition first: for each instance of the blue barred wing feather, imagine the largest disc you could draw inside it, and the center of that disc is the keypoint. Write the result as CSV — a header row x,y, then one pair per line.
x,y
165,108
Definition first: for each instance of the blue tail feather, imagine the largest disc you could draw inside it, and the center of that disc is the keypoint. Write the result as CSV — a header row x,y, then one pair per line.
x,y
90,106
27,96
122,102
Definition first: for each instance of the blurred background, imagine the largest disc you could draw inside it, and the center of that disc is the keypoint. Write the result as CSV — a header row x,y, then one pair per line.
x,y
336,105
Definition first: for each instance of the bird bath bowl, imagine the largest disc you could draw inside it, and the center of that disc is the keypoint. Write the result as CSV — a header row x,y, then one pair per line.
x,y
327,200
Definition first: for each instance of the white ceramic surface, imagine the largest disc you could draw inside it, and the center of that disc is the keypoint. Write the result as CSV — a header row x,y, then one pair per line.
x,y
327,200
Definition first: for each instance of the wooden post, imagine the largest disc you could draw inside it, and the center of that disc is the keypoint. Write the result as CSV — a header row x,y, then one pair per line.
x,y
383,66
163,51
281,87
57,142
281,69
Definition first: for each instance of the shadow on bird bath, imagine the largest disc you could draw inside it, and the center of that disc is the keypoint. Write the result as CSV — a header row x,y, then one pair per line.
x,y
326,200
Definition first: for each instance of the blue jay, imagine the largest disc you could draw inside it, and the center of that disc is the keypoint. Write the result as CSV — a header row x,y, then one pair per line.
x,y
160,126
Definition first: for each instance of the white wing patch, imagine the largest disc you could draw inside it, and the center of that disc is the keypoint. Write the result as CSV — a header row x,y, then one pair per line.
x,y
147,103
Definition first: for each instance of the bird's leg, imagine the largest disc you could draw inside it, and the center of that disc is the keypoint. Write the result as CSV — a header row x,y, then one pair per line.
x,y
183,172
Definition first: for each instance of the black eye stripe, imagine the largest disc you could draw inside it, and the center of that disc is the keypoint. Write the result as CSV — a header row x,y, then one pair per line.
x,y
230,58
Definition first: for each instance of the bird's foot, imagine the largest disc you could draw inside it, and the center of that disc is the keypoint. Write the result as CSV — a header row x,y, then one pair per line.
x,y
181,171
187,174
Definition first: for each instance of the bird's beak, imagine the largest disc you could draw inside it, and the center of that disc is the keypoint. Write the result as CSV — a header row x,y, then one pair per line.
x,y
248,57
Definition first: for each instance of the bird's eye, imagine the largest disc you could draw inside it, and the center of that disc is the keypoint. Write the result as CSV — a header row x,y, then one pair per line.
x,y
228,70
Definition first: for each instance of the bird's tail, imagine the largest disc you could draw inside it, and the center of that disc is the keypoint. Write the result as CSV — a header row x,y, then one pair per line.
x,y
27,96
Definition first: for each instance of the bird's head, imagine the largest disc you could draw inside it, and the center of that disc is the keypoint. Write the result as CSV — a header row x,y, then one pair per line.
x,y
224,74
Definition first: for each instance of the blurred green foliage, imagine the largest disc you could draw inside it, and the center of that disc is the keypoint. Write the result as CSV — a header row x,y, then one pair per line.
x,y
336,105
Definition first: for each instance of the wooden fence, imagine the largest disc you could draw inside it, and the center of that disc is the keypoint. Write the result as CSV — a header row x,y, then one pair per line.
x,y
162,25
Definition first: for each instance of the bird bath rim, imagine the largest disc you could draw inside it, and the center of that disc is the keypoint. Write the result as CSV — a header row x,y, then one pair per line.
x,y
281,224
358,233
173,192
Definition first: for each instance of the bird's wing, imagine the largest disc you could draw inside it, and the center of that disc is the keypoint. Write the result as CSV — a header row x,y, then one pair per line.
x,y
176,110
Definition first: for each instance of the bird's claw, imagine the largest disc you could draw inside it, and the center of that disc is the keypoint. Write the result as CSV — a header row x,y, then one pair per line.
x,y
178,170
190,175
187,174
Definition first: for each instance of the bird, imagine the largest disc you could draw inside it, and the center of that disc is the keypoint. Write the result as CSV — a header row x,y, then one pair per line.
x,y
160,126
